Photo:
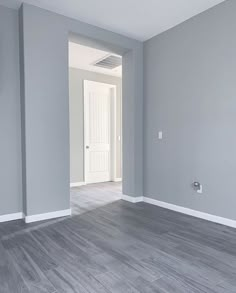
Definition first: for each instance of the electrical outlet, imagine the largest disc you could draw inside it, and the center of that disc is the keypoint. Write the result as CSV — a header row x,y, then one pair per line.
x,y
197,187
200,190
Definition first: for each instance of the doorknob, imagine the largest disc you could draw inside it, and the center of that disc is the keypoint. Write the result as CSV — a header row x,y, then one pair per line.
x,y
87,147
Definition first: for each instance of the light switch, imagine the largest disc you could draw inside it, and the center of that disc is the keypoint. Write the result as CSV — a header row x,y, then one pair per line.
x,y
160,135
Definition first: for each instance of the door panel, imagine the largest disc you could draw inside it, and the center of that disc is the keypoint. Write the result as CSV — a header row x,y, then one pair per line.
x,y
97,101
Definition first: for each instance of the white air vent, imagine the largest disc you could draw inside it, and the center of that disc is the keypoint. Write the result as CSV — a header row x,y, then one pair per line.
x,y
109,62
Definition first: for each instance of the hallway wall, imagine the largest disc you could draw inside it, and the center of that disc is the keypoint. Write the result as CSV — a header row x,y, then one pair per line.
x,y
10,116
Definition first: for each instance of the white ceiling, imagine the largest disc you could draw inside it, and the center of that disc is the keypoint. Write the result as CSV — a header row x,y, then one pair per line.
x,y
139,19
84,57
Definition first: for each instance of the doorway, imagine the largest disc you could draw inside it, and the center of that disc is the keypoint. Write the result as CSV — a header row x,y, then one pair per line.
x,y
95,87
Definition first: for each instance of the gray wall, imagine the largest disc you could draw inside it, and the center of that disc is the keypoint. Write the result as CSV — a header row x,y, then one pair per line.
x,y
44,37
76,78
10,129
46,108
190,94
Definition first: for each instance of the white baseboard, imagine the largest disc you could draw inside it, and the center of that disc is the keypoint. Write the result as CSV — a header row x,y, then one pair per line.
x,y
190,212
11,217
183,210
117,179
131,198
47,216
180,209
76,184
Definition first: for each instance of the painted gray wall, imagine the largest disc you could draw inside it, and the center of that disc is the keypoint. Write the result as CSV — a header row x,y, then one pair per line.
x,y
189,91
22,107
76,95
10,129
190,94
46,97
46,112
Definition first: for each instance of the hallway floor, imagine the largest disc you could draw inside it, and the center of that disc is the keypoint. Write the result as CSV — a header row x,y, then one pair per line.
x,y
89,197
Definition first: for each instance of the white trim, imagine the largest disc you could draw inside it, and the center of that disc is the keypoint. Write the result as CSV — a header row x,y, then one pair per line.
x,y
76,184
180,209
117,180
113,131
47,216
190,212
11,217
131,198
85,91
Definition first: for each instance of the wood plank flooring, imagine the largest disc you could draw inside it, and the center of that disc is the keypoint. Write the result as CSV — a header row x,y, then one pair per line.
x,y
118,247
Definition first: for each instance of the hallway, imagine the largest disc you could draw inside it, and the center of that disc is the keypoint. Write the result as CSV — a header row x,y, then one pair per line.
x,y
89,197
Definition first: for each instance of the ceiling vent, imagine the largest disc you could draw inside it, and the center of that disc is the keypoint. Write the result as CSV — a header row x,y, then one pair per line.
x,y
109,62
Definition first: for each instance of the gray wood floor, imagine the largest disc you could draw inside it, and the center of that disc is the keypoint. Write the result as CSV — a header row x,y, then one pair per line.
x,y
118,247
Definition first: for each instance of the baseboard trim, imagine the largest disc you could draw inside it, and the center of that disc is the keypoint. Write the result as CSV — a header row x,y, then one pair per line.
x,y
77,184
131,198
47,216
183,210
190,212
11,217
117,179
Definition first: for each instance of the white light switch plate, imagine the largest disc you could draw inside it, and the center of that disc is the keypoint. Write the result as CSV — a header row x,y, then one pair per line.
x,y
160,135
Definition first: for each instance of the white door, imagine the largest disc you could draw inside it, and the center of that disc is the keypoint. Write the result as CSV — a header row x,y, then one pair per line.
x,y
98,101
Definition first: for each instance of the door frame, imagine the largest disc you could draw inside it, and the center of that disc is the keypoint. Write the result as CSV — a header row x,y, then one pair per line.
x,y
113,127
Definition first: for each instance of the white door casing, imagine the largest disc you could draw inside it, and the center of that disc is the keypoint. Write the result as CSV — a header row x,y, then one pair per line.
x,y
99,131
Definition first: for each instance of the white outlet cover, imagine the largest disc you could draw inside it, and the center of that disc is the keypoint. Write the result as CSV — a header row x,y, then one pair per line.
x,y
160,135
200,190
